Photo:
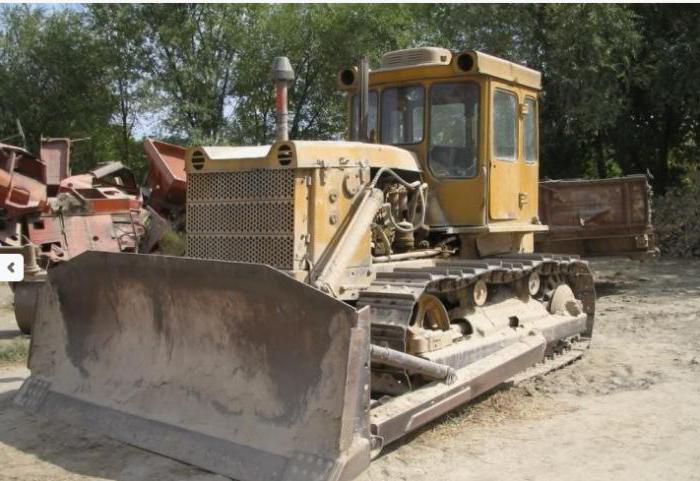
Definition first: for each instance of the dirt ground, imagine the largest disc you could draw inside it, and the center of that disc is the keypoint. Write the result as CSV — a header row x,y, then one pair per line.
x,y
630,410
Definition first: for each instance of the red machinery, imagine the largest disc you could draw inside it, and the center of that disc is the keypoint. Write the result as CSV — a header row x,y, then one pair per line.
x,y
166,181
50,216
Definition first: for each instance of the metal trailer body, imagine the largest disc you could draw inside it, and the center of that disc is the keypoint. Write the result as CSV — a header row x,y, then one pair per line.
x,y
599,217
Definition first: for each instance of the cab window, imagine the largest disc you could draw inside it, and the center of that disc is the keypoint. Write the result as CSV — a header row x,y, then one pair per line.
x,y
505,125
402,115
530,130
454,129
371,114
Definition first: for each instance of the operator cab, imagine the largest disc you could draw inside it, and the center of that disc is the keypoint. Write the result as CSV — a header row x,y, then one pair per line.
x,y
472,121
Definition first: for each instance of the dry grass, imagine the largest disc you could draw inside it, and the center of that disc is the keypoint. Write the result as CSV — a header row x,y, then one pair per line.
x,y
521,403
14,351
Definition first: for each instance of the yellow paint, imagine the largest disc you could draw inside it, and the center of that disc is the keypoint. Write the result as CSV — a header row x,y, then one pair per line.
x,y
327,183
504,193
491,212
485,65
304,154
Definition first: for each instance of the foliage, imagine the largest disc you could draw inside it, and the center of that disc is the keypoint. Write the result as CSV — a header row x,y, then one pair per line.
x,y
619,80
192,51
119,32
677,221
53,80
659,129
319,39
172,243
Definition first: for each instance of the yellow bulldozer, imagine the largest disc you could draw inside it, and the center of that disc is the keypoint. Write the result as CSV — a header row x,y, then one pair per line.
x,y
336,295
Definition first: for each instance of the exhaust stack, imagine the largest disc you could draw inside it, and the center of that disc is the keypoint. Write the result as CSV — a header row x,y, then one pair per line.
x,y
283,74
364,100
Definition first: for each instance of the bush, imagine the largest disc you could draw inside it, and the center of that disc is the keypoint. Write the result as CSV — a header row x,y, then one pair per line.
x,y
172,243
677,222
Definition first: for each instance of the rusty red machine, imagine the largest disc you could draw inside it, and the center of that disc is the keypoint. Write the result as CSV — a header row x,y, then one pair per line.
x,y
51,216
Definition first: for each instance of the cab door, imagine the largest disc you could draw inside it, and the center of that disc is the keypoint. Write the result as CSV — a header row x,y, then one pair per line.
x,y
455,152
504,165
529,153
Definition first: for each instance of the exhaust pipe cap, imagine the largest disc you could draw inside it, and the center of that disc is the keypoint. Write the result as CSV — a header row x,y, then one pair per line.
x,y
282,69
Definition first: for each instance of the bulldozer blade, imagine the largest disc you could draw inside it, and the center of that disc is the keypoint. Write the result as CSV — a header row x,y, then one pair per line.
x,y
236,368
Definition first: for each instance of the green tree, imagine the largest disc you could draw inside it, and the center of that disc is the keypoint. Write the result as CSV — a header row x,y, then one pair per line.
x,y
319,40
53,79
192,54
619,80
585,53
119,32
660,129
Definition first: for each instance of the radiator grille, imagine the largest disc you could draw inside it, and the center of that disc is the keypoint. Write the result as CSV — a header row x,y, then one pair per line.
x,y
242,216
272,217
252,185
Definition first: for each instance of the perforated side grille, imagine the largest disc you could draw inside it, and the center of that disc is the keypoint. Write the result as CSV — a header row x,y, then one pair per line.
x,y
276,251
253,185
242,216
273,217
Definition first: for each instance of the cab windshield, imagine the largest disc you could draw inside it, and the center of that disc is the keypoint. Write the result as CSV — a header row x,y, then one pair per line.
x,y
402,115
454,129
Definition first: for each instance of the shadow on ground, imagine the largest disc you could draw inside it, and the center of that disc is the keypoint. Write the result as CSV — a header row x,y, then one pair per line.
x,y
67,448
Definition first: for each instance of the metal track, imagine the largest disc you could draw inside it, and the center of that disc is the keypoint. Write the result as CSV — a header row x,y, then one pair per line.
x,y
394,293
552,363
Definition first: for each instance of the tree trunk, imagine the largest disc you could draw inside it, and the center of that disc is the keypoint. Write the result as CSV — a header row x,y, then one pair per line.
x,y
126,130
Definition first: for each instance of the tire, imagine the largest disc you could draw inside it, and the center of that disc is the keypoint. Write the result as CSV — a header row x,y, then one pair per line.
x,y
26,294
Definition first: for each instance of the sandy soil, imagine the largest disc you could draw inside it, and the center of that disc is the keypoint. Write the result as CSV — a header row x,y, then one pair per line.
x,y
630,410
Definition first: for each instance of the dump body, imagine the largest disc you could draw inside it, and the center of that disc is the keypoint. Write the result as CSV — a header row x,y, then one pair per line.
x,y
166,178
597,217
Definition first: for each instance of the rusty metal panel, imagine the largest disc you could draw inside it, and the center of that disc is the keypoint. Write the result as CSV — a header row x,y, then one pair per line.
x,y
167,178
62,237
56,154
46,230
597,217
236,368
22,188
